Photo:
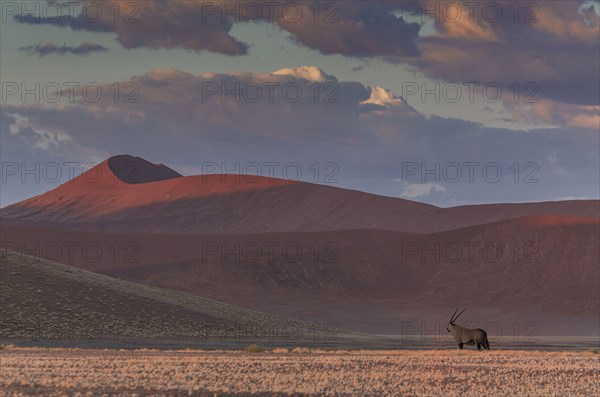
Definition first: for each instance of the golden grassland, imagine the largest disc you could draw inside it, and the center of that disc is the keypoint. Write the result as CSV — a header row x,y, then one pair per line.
x,y
301,371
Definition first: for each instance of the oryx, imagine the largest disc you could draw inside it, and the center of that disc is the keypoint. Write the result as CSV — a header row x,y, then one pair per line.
x,y
467,336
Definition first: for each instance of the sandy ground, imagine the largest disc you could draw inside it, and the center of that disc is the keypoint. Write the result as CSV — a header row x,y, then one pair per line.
x,y
35,371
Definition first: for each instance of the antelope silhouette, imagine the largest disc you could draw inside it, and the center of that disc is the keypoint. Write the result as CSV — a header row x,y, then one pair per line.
x,y
467,336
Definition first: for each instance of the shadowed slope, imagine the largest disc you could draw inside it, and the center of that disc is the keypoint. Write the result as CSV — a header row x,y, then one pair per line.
x,y
131,169
366,278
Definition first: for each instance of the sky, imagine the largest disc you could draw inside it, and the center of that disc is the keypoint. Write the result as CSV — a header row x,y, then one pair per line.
x,y
443,102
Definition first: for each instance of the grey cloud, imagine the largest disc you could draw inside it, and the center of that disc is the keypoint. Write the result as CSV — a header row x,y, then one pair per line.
x,y
151,24
356,28
553,45
557,51
46,48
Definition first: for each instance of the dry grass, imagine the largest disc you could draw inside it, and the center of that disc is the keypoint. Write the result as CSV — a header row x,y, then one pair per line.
x,y
35,371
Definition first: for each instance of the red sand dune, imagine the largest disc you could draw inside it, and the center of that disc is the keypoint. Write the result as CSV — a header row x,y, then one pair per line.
x,y
129,194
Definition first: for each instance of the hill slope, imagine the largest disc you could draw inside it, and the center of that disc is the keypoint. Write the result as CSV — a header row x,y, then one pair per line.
x,y
46,300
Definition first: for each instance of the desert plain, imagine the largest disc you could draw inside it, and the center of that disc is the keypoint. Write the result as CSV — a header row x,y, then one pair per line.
x,y
297,372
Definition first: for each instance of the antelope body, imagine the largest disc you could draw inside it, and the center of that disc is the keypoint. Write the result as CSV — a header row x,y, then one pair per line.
x,y
467,336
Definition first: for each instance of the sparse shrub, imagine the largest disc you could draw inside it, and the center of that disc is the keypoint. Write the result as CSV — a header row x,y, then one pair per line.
x,y
595,351
254,348
301,350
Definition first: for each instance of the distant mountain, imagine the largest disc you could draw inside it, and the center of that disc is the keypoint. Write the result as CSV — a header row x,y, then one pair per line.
x,y
130,194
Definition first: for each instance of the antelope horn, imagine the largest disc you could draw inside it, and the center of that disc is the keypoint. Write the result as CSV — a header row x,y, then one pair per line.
x,y
460,314
452,318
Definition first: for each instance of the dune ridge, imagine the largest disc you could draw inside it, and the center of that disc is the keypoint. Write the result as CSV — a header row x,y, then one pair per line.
x,y
154,198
